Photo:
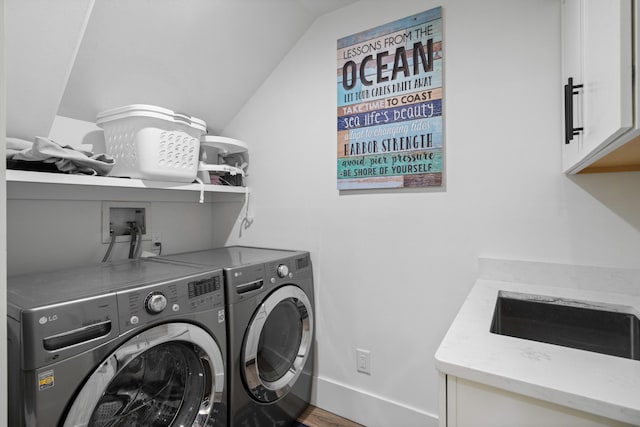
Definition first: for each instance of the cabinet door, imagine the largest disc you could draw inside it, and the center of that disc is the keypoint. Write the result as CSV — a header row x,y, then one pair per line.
x,y
597,39
572,68
470,404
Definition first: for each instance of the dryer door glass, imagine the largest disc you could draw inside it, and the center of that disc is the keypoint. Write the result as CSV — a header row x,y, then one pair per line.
x,y
280,340
169,375
277,343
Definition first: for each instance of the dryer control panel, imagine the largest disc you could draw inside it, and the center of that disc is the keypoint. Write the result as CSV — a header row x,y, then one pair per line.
x,y
147,304
288,268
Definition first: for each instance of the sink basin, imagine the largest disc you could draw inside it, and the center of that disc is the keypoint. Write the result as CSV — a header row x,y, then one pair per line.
x,y
601,328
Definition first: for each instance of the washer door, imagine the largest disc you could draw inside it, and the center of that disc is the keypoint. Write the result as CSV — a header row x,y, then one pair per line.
x,y
169,375
277,343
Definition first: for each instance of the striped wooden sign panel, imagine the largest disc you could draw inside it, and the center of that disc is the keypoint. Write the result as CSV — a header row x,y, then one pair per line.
x,y
389,109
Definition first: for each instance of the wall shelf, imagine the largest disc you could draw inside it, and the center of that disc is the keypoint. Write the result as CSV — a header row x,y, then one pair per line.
x,y
39,185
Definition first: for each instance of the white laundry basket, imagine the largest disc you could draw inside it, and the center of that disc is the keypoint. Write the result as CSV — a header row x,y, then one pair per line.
x,y
150,142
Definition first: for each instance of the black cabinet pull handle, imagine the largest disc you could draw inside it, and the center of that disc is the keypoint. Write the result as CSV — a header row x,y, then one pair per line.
x,y
569,130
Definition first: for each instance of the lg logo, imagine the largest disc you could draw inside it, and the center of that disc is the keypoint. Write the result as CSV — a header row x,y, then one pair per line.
x,y
45,319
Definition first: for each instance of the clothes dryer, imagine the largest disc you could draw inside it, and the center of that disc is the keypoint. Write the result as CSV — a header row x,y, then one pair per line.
x,y
130,343
270,331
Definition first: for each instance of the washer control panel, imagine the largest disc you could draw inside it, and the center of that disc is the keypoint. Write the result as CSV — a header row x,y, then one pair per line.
x,y
147,304
206,292
155,302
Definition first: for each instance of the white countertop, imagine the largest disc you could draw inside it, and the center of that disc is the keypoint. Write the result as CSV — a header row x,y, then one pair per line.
x,y
596,383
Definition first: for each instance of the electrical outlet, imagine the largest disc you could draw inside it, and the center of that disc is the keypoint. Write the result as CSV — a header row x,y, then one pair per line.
x,y
363,361
156,242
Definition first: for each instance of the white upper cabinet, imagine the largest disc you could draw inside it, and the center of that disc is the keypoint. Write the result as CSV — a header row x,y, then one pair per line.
x,y
600,93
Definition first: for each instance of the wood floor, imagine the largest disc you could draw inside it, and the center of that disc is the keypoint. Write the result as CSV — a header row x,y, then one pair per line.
x,y
316,417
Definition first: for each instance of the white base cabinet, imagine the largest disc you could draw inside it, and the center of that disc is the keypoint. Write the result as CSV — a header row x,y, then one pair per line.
x,y
470,404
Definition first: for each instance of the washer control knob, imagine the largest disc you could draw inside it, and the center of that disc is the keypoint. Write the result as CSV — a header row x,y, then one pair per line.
x,y
155,302
283,270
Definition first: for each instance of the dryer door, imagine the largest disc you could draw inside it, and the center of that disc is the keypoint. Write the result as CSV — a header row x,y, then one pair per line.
x,y
277,343
169,375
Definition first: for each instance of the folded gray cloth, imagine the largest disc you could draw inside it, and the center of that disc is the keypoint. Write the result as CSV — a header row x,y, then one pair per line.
x,y
17,144
66,158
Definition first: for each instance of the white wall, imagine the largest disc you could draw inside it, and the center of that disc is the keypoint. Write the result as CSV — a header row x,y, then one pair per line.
x,y
3,227
393,267
54,234
57,227
43,39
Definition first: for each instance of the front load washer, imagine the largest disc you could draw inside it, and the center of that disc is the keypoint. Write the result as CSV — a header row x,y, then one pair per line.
x,y
128,343
270,331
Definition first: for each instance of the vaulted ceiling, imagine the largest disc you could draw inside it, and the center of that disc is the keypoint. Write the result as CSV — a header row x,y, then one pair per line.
x,y
205,58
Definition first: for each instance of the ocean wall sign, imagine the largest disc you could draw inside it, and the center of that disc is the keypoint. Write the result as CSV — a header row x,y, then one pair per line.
x,y
390,105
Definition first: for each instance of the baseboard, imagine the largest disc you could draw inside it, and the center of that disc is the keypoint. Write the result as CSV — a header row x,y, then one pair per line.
x,y
366,408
